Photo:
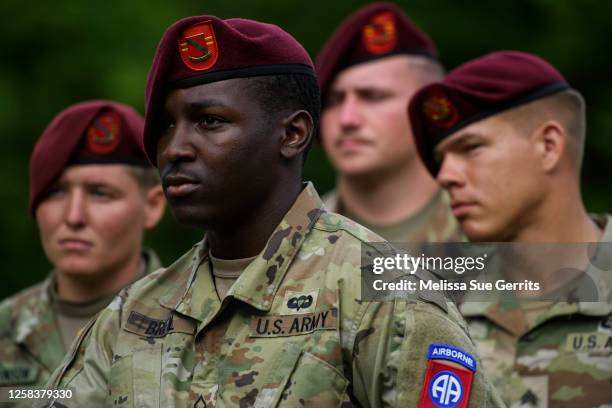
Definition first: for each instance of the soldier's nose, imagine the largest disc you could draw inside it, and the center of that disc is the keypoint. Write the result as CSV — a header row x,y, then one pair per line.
x,y
76,211
450,173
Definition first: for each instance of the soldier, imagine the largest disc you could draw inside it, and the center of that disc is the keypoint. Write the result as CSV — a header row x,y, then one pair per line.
x,y
265,311
504,134
368,70
92,194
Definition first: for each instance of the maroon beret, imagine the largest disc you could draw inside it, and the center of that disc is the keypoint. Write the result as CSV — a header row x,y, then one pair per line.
x,y
476,90
92,132
203,49
375,31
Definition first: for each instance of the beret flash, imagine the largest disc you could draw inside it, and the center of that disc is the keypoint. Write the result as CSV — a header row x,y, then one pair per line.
x,y
476,90
375,31
91,132
203,49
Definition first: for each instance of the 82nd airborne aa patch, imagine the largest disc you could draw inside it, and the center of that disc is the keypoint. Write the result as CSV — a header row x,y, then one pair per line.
x,y
447,385
198,47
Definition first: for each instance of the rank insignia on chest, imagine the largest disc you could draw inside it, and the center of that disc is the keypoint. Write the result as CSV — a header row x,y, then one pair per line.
x,y
447,385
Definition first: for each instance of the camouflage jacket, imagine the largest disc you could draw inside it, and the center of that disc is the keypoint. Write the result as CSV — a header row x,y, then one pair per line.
x,y
433,223
31,346
562,359
291,331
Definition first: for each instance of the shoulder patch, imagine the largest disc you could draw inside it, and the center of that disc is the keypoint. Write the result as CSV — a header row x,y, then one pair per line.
x,y
450,353
447,385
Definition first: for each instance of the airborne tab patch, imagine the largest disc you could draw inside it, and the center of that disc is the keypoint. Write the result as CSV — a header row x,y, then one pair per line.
x,y
450,353
283,326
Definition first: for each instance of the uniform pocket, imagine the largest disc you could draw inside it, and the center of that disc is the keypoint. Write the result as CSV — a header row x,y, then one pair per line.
x,y
132,377
314,383
302,379
121,389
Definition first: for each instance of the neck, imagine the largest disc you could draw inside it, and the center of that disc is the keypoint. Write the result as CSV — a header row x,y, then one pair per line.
x,y
387,198
560,220
81,289
248,238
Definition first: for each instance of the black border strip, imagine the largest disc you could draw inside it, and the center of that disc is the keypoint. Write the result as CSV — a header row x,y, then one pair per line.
x,y
537,94
109,160
259,70
417,52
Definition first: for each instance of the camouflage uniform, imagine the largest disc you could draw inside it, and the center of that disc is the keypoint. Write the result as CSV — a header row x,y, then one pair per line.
x,y
560,358
31,345
290,332
433,223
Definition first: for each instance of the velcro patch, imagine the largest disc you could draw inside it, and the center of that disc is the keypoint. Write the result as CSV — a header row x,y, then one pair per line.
x,y
143,325
282,326
446,386
18,374
299,303
450,353
595,341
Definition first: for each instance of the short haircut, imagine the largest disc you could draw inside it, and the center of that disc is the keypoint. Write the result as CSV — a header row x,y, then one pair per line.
x,y
567,107
289,92
429,70
146,177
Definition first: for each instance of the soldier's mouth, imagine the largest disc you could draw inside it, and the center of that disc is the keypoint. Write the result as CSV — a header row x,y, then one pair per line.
x,y
75,244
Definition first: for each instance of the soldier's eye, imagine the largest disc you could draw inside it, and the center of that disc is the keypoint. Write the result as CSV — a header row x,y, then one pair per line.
x,y
54,192
101,193
333,99
470,147
210,121
166,126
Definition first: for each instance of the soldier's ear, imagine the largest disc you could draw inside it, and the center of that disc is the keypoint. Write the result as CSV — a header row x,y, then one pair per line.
x,y
551,142
155,204
298,131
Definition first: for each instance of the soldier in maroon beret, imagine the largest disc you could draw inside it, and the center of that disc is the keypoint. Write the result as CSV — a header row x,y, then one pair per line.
x,y
92,193
505,134
368,70
266,310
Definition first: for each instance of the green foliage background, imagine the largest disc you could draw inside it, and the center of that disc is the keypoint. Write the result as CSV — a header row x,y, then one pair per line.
x,y
55,53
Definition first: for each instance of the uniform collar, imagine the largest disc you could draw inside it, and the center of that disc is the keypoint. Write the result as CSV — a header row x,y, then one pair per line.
x,y
257,285
36,326
510,317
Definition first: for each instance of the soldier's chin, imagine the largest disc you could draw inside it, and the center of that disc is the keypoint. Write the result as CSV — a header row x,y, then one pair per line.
x,y
478,232
76,268
197,217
